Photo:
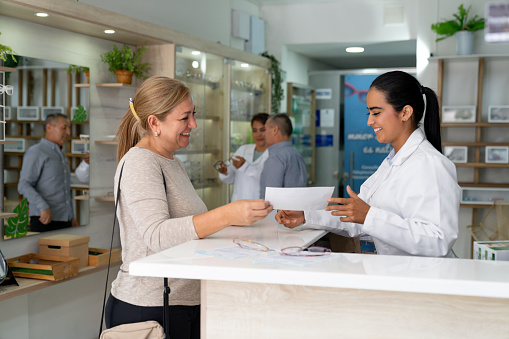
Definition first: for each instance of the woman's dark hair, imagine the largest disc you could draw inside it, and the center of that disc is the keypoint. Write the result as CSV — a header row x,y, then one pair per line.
x,y
261,117
401,89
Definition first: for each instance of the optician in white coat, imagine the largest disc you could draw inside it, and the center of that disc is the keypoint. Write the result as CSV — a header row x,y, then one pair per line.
x,y
410,205
245,179
246,165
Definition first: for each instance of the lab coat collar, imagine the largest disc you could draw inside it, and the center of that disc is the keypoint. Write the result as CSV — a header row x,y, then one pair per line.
x,y
415,139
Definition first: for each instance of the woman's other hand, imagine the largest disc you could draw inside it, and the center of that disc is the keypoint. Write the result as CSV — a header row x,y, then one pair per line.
x,y
352,209
290,219
238,161
223,169
247,211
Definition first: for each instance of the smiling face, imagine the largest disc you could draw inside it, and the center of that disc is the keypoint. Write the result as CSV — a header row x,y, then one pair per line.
x,y
174,132
258,133
389,126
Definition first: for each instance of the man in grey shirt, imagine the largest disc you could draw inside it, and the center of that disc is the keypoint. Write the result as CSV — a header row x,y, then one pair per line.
x,y
45,178
284,167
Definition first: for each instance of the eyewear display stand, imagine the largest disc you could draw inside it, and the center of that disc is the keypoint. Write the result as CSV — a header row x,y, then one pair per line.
x,y
349,295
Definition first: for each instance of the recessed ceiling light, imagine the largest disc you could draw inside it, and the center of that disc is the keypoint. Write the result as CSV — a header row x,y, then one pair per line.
x,y
355,49
195,64
109,31
42,14
244,65
195,52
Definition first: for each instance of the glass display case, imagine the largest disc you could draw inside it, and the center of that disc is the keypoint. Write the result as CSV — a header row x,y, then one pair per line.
x,y
204,74
250,94
301,109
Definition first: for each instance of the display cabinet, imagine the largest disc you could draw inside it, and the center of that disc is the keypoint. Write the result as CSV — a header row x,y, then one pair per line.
x,y
301,108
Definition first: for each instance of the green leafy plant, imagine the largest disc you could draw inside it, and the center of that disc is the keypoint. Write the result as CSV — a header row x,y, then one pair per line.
x,y
80,115
277,80
77,69
18,226
127,59
461,22
6,50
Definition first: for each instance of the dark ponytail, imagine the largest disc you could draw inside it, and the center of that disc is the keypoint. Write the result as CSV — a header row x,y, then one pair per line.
x,y
401,89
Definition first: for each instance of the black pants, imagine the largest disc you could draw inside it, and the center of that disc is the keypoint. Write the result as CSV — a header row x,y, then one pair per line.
x,y
184,320
37,226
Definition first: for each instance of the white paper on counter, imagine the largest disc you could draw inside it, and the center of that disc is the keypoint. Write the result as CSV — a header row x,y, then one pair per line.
x,y
298,198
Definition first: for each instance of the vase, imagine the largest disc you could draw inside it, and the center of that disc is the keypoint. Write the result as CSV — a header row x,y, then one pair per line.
x,y
124,77
87,74
464,42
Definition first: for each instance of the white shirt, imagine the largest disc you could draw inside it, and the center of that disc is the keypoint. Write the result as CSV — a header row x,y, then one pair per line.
x,y
414,202
82,172
246,179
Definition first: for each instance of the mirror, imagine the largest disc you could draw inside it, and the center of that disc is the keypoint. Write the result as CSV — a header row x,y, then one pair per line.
x,y
41,88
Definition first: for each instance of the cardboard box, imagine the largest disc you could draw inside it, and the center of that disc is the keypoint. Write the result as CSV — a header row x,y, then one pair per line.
x,y
100,256
66,245
491,250
45,267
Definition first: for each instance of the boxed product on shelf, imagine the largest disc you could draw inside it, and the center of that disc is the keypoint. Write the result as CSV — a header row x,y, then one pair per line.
x,y
491,250
47,110
20,145
28,113
79,147
45,267
66,245
483,195
100,256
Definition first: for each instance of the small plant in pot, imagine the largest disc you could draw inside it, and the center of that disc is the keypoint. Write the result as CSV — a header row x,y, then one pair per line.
x,y
79,69
126,62
462,27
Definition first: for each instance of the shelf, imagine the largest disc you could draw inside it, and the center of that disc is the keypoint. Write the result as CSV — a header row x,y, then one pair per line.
x,y
493,185
7,142
116,85
474,124
7,69
106,142
7,215
211,151
481,165
475,144
25,121
466,57
110,198
82,197
82,85
79,141
196,81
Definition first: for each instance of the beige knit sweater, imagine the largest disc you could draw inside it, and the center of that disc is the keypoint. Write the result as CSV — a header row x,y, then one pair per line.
x,y
151,222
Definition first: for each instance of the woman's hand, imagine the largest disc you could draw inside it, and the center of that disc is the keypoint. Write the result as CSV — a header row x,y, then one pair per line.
x,y
290,219
352,209
238,161
247,211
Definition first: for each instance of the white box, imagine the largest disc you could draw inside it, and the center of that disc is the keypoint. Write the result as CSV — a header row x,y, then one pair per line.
x,y
45,111
491,250
28,113
79,147
19,146
483,195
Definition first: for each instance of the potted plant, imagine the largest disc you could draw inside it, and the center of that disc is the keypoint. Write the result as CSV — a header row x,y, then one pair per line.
x,y
6,50
277,80
79,69
126,62
462,27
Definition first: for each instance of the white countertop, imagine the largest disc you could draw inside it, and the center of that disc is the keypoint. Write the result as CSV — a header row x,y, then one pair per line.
x,y
343,270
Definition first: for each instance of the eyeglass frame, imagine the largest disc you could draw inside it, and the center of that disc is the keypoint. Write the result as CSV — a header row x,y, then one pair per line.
x,y
219,163
284,251
6,89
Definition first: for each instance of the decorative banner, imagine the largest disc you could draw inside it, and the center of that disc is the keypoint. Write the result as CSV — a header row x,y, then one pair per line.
x,y
363,153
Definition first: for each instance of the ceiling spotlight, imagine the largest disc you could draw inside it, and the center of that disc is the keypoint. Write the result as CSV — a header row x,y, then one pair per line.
x,y
244,65
42,15
355,49
109,31
195,64
195,52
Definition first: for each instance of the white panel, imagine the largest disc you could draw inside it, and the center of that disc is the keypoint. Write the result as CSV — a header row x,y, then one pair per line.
x,y
240,25
256,42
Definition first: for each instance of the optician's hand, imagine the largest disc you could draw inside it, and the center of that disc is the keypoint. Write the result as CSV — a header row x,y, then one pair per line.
x,y
290,219
352,209
74,223
238,161
45,217
247,211
223,169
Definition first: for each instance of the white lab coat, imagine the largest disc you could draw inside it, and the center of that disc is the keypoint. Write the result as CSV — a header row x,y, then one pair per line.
x,y
246,179
414,204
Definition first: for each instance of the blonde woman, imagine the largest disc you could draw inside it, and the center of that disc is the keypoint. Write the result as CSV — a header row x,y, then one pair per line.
x,y
158,207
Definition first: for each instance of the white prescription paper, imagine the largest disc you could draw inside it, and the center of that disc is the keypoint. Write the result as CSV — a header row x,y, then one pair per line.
x,y
298,198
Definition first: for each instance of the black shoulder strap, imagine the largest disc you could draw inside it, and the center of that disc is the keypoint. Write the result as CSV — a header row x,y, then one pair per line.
x,y
111,247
